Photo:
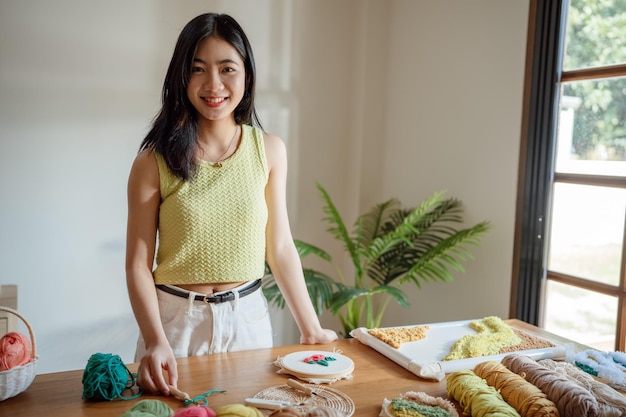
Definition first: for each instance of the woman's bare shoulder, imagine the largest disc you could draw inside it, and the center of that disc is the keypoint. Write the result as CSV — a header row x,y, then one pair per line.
x,y
275,150
274,144
145,161
145,168
270,139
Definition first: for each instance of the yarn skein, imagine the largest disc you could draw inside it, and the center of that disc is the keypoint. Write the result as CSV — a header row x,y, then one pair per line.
x,y
105,378
149,408
14,350
477,398
195,411
526,398
570,398
238,410
610,402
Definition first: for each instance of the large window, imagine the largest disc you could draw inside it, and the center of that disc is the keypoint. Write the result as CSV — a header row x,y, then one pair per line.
x,y
570,246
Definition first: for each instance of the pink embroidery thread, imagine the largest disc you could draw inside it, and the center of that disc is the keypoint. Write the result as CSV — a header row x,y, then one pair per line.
x,y
319,359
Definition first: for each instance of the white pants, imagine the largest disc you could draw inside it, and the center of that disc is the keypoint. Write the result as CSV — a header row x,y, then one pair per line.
x,y
197,328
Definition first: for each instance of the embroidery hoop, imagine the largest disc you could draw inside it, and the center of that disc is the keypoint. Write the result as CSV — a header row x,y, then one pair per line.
x,y
294,364
330,398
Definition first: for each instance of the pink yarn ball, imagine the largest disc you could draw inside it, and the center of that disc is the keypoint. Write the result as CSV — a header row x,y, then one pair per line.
x,y
195,411
14,350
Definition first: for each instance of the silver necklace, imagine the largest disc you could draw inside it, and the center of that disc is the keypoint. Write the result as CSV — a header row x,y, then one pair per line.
x,y
218,162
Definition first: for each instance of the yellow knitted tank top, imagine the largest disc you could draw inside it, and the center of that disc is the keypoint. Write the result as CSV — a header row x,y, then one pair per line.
x,y
212,227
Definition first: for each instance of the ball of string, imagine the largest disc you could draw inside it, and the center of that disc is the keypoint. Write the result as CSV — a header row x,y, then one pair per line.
x,y
106,377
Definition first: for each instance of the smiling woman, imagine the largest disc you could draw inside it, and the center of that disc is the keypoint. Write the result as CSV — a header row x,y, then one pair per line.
x,y
217,221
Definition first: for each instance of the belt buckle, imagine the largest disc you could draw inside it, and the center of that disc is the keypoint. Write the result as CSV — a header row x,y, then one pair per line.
x,y
219,298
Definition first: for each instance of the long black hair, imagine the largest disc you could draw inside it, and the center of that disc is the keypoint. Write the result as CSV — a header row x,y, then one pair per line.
x,y
175,128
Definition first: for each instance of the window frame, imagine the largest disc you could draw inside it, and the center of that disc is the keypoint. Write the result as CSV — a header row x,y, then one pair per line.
x,y
543,79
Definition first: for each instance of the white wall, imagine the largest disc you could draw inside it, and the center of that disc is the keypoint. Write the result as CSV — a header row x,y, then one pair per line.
x,y
375,100
436,103
454,124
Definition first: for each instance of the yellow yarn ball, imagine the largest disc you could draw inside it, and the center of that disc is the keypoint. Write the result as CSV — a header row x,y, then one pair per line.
x,y
477,398
238,410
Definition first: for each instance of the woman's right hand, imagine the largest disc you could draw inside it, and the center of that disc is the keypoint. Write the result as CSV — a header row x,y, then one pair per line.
x,y
323,337
150,373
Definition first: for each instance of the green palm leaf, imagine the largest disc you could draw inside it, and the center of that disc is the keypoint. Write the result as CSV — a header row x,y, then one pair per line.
x,y
432,264
394,292
306,249
338,228
343,295
373,222
389,247
320,287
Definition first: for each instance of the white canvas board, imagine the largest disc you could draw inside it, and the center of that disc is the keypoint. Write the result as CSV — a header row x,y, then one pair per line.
x,y
424,357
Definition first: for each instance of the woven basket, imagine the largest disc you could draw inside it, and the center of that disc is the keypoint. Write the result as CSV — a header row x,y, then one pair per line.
x,y
15,380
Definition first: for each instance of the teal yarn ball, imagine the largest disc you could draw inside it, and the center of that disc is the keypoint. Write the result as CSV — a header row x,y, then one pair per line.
x,y
149,408
106,377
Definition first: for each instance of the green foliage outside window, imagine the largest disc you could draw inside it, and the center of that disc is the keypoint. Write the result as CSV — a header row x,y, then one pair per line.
x,y
596,37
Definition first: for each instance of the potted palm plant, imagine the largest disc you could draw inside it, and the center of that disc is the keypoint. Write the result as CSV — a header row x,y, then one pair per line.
x,y
389,246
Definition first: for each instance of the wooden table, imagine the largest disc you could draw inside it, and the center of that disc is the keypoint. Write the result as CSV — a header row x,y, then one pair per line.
x,y
241,374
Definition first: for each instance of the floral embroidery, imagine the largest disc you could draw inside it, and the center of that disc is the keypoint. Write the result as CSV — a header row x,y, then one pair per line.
x,y
319,359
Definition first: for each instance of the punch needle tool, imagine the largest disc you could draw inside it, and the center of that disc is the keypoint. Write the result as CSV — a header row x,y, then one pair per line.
x,y
301,387
269,404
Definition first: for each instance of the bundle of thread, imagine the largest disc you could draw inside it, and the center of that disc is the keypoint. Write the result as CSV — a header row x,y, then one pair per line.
x,y
195,411
477,398
571,399
14,350
526,398
610,402
149,408
157,408
318,411
105,378
238,410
